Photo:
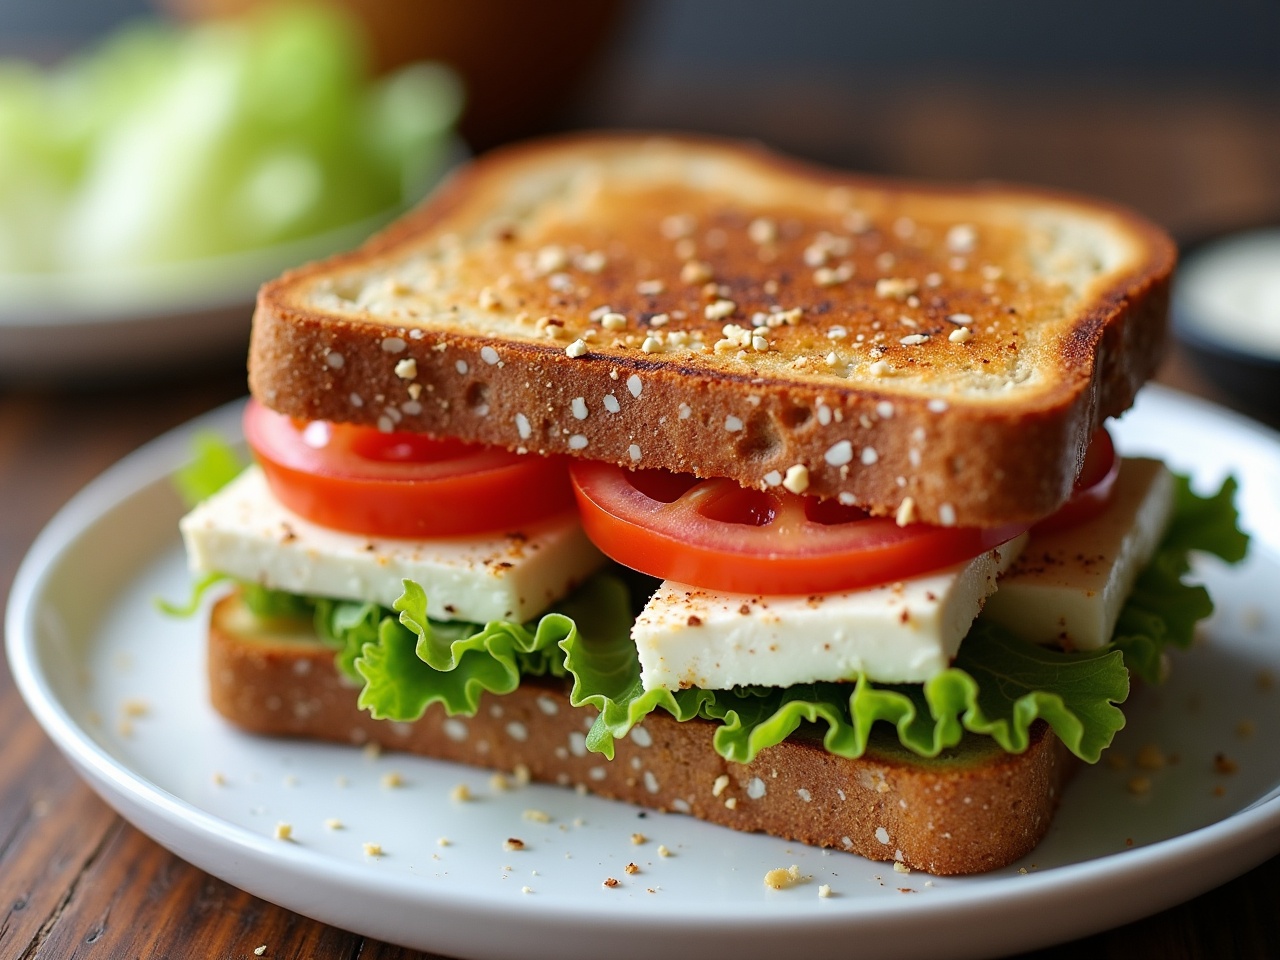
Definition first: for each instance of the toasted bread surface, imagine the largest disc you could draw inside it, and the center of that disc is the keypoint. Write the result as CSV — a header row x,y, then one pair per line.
x,y
709,307
968,812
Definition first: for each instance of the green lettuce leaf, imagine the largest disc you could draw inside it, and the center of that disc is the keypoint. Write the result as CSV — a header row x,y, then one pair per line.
x,y
999,688
414,661
188,608
213,465
1163,609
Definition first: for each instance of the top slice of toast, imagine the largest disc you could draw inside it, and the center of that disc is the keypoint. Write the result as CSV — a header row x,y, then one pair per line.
x,y
713,308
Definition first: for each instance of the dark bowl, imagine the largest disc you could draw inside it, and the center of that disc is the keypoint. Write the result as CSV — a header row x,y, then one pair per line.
x,y
1232,343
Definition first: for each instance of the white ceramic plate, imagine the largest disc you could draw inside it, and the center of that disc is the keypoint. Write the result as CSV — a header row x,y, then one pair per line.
x,y
87,645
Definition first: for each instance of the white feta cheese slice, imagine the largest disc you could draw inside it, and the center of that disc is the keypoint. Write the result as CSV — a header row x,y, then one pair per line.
x,y
1067,588
244,532
896,633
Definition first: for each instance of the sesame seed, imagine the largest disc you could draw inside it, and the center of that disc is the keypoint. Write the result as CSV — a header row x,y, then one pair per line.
x,y
522,426
914,339
335,360
651,345
685,411
885,409
634,385
829,277
598,313
937,406
857,221
611,403
550,259
759,343
719,309
880,368
613,321
650,288
895,288
960,319
677,225
960,335
579,408
839,454
489,355
869,456
947,515
577,442
906,514
962,238
462,367
762,230
732,424
797,478
696,272
633,452
592,262
576,349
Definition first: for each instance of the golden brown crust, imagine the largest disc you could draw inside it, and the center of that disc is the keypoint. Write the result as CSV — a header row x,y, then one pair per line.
x,y
485,287
944,818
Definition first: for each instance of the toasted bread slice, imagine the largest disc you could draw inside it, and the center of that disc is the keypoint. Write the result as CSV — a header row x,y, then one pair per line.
x,y
709,307
968,811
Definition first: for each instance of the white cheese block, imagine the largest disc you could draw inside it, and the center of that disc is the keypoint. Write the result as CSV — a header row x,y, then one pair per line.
x,y
1067,588
244,532
897,633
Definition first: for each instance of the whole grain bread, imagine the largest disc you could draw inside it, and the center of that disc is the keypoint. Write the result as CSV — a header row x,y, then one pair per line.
x,y
710,307
973,811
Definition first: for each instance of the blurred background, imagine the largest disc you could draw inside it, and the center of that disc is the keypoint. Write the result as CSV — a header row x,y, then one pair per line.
x,y
1170,106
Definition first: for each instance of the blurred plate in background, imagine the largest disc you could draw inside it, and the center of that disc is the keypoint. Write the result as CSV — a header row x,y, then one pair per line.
x,y
1226,309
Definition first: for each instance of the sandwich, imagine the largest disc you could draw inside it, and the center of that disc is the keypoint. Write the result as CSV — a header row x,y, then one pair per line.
x,y
696,477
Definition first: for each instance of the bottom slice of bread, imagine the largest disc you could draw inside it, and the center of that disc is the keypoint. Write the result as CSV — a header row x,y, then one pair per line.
x,y
970,810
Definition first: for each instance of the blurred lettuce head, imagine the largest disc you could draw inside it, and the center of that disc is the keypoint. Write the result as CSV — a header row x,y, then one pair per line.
x,y
167,144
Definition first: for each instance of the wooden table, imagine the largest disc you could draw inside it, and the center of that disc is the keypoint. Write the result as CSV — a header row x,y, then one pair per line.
x,y
76,880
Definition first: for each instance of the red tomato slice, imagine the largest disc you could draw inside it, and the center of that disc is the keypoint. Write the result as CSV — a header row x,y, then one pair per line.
x,y
408,485
1093,487
720,536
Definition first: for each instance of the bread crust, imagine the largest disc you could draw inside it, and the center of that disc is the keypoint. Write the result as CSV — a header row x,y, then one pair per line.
x,y
981,432
940,816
